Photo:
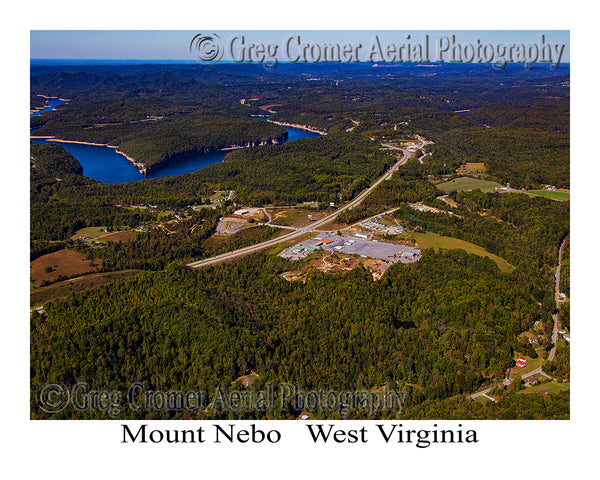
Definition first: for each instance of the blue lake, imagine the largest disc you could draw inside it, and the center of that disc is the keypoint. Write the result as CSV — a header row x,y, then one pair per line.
x,y
52,104
107,166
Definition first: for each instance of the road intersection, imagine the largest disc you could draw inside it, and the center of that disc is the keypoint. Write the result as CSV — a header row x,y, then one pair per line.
x,y
297,232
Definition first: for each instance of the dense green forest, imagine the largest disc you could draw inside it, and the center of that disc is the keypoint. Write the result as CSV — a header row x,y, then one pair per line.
x,y
524,158
551,118
49,161
527,148
335,168
510,407
443,324
36,102
332,168
56,214
439,328
154,250
151,135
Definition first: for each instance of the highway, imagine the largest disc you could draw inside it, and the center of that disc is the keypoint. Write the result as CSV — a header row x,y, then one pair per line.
x,y
297,232
301,231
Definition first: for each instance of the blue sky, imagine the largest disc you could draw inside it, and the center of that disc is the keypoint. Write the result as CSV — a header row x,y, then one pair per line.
x,y
174,45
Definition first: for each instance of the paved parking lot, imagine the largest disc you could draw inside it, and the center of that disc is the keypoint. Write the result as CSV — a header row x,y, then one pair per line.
x,y
353,245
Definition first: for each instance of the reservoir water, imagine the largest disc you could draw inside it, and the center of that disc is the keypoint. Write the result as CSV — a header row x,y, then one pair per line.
x,y
107,166
52,104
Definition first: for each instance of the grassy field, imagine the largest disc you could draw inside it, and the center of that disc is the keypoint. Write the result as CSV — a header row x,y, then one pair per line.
x,y
219,195
64,263
483,400
126,236
333,226
42,295
473,167
219,243
95,232
553,194
467,183
390,221
552,387
295,217
528,334
277,249
91,232
435,241
532,364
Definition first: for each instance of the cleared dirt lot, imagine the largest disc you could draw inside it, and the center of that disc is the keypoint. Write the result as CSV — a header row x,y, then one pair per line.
x,y
64,263
336,263
231,224
295,217
448,200
235,222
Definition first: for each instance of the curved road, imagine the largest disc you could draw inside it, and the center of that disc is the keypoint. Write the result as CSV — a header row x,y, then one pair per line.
x,y
554,333
301,231
557,300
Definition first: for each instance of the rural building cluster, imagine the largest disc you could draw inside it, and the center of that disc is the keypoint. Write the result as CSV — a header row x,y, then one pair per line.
x,y
375,223
356,244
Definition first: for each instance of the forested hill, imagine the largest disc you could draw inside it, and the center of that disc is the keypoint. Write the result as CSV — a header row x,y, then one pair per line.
x,y
439,328
154,133
331,168
157,112
52,161
441,324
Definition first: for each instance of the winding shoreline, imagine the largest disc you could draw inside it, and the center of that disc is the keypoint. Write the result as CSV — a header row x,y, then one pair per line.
x,y
294,125
52,98
143,168
36,110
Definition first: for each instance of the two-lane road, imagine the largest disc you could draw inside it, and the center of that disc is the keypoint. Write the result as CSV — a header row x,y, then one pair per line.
x,y
558,300
554,333
301,231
